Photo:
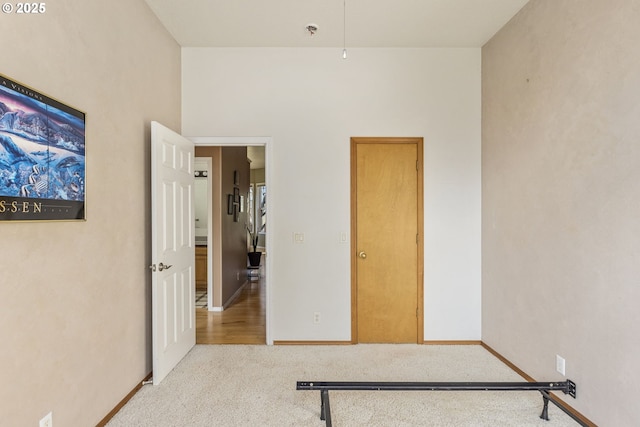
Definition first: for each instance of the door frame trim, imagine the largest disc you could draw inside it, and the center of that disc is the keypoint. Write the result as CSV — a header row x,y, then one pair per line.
x,y
419,141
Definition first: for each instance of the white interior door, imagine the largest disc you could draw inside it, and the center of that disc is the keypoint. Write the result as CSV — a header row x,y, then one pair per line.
x,y
173,249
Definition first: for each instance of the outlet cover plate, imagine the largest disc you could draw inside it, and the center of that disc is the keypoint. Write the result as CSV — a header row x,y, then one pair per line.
x,y
47,420
560,364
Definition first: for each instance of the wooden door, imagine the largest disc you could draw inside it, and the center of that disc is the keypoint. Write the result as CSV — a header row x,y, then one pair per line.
x,y
387,264
172,249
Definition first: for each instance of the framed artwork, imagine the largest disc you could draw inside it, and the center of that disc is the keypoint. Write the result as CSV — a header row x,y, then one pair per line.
x,y
42,156
236,203
230,204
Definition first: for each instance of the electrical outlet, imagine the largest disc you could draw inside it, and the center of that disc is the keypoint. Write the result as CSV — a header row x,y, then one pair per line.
x,y
47,420
560,365
316,317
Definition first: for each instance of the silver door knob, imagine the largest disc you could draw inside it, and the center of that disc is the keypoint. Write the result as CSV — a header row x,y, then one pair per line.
x,y
164,267
362,255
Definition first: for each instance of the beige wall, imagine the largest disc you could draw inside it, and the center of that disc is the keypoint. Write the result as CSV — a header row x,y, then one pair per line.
x,y
229,238
561,199
234,234
258,176
75,296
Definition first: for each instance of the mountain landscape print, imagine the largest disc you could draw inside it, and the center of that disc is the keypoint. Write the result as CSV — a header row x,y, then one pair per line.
x,y
42,156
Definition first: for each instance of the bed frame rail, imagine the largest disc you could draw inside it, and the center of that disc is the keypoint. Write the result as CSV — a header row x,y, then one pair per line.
x,y
567,387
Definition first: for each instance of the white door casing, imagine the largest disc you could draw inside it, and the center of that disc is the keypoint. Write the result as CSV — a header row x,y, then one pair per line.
x,y
173,249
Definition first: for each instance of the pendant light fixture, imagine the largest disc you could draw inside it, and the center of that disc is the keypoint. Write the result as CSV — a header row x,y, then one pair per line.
x,y
344,29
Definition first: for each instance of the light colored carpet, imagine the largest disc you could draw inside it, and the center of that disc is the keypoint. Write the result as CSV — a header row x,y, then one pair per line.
x,y
242,385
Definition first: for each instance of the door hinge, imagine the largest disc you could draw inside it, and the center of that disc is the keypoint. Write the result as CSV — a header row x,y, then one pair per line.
x,y
417,238
417,165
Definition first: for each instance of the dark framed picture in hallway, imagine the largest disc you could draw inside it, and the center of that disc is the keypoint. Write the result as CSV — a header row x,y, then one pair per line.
x,y
42,156
230,204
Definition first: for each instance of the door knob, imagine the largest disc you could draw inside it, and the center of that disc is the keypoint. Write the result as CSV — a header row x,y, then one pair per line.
x,y
164,267
362,255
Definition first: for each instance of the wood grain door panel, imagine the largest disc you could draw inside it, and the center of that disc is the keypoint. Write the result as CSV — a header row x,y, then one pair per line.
x,y
387,215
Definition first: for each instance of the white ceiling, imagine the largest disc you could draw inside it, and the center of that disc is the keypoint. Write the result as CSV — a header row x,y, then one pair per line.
x,y
369,23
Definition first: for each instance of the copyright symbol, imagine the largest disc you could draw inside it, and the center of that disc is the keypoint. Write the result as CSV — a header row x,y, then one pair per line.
x,y
7,8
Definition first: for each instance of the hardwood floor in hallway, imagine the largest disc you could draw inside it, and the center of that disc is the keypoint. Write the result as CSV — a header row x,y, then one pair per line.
x,y
241,323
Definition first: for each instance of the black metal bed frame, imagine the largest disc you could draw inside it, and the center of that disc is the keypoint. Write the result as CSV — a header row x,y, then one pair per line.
x,y
567,387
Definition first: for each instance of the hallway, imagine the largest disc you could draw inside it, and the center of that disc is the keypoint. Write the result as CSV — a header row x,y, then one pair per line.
x,y
241,323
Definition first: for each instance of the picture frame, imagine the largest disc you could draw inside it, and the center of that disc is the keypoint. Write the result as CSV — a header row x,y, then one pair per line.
x,y
42,156
230,204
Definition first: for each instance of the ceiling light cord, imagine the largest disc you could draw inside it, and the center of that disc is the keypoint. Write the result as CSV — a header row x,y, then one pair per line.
x,y
344,29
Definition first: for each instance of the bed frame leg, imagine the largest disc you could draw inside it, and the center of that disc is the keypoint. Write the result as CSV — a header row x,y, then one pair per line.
x,y
325,408
545,407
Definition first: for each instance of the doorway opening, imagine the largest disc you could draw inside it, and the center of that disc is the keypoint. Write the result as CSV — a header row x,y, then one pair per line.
x,y
237,201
